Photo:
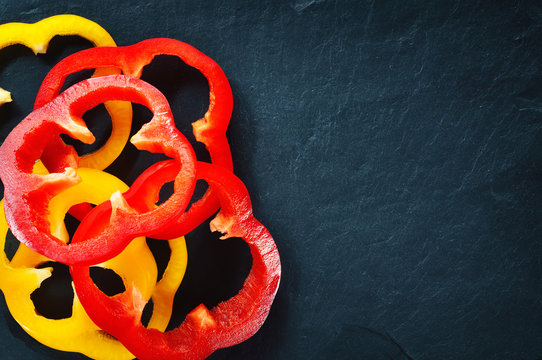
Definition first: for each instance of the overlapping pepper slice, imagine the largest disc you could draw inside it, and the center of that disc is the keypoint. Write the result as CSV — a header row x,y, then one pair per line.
x,y
18,278
37,36
210,130
27,195
78,333
203,331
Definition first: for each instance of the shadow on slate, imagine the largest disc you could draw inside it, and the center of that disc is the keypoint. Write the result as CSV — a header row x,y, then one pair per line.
x,y
359,342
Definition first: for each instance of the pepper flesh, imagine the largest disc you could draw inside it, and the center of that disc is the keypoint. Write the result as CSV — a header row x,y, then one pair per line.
x,y
27,195
203,331
210,130
37,36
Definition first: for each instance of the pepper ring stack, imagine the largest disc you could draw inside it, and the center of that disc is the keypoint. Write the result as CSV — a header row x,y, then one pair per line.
x,y
44,178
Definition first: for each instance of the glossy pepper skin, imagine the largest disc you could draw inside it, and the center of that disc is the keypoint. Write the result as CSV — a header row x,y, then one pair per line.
x,y
27,195
204,330
37,36
210,130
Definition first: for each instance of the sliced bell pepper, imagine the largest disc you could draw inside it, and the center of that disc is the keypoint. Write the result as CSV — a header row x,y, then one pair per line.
x,y
27,195
78,333
203,330
37,36
210,130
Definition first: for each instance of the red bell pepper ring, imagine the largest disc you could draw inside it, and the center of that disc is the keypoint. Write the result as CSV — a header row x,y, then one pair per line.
x,y
210,130
203,330
27,195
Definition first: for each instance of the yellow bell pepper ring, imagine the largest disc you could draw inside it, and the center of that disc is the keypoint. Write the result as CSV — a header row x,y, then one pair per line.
x,y
19,278
37,36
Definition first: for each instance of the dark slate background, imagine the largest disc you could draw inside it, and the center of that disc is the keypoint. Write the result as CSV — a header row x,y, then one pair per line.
x,y
392,148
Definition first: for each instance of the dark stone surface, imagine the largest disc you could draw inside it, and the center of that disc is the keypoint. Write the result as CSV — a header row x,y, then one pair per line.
x,y
392,148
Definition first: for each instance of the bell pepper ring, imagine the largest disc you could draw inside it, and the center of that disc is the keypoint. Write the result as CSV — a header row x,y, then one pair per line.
x,y
210,130
203,330
78,333
27,195
37,36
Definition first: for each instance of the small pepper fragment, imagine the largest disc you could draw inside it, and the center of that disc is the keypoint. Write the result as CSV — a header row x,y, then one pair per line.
x,y
204,330
5,96
210,130
37,36
27,195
